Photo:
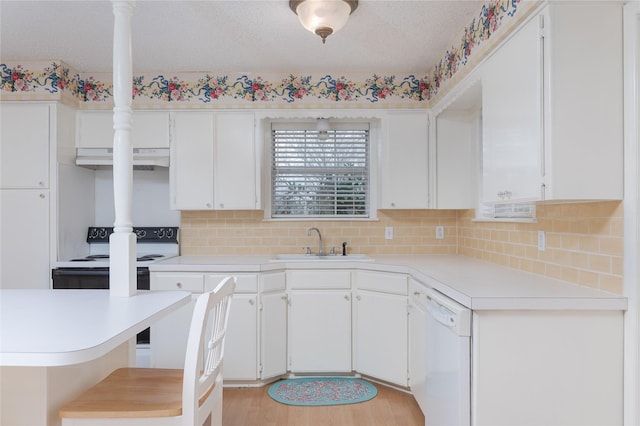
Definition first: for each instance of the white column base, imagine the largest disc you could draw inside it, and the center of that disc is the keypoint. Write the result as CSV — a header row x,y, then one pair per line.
x,y
122,264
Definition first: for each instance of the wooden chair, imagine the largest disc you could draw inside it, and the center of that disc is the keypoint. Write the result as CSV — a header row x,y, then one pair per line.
x,y
150,396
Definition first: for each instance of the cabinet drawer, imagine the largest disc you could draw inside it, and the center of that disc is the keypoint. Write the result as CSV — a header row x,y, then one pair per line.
x,y
382,282
245,283
188,282
319,279
272,282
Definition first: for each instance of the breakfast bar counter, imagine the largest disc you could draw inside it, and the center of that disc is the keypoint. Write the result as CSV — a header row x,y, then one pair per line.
x,y
56,343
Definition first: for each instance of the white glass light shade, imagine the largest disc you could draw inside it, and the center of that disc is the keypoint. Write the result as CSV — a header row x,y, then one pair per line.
x,y
314,14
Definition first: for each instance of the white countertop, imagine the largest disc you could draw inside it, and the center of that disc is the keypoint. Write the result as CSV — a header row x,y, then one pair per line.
x,y
474,283
63,327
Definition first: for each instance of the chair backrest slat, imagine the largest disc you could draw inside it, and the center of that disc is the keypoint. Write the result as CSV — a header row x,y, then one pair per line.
x,y
210,313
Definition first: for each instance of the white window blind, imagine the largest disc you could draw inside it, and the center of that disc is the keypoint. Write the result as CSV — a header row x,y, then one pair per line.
x,y
320,175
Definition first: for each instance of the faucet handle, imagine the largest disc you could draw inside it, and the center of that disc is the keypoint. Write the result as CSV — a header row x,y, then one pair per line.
x,y
307,250
334,251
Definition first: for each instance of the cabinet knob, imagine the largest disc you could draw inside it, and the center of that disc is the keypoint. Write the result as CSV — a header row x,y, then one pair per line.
x,y
393,204
179,285
346,297
208,205
358,298
251,302
222,205
42,196
416,293
41,183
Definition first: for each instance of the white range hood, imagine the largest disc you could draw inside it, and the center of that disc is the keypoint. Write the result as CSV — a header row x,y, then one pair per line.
x,y
143,158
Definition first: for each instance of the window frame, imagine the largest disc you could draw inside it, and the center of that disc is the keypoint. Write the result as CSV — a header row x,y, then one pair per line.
x,y
372,206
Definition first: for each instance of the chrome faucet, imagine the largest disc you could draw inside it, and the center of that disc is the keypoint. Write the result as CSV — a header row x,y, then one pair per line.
x,y
320,253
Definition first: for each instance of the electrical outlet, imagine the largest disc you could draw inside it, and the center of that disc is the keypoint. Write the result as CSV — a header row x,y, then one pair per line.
x,y
439,232
388,232
542,241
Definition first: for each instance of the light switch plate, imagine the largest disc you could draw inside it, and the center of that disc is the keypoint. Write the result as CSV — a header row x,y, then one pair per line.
x,y
542,241
439,232
388,232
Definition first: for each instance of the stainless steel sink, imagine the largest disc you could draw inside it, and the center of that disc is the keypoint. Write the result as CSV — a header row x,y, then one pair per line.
x,y
315,257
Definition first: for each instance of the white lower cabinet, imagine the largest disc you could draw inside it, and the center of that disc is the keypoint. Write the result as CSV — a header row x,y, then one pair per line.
x,y
560,367
380,326
241,344
319,321
273,325
169,334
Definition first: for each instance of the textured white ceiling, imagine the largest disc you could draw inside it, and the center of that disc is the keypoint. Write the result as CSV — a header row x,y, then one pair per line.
x,y
235,36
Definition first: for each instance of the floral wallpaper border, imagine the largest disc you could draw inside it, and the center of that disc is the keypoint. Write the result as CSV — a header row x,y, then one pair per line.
x,y
56,79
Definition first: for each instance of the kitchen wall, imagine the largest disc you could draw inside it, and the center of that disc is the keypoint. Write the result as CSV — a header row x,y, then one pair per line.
x,y
584,240
150,204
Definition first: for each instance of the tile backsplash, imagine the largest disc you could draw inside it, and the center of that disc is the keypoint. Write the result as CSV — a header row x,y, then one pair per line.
x,y
247,233
584,241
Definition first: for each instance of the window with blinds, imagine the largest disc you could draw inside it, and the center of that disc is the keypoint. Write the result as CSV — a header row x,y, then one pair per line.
x,y
320,174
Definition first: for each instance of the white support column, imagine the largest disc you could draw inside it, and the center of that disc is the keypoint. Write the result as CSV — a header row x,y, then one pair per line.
x,y
122,243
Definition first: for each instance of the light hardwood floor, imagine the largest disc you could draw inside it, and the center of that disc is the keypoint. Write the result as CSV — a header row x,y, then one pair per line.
x,y
254,407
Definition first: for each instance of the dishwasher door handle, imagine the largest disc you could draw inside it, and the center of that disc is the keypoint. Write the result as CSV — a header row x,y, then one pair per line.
x,y
441,313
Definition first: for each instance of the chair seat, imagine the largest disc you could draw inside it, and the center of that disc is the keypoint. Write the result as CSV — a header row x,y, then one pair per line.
x,y
131,393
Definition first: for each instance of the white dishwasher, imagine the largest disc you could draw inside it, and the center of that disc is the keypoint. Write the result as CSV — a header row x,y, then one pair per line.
x,y
448,361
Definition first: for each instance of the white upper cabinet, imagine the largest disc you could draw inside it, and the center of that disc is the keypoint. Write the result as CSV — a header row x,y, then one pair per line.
x,y
404,160
24,147
511,117
235,165
552,107
457,136
213,161
191,166
150,129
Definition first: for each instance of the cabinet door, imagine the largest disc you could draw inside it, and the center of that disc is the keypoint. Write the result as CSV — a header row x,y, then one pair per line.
x,y
417,343
512,119
320,331
191,169
150,129
24,238
24,146
235,161
240,347
381,336
169,334
273,334
404,161
457,135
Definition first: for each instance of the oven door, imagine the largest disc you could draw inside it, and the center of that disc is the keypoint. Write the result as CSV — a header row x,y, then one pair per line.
x,y
92,278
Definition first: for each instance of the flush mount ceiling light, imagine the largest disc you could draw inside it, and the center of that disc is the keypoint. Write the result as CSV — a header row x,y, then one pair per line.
x,y
323,17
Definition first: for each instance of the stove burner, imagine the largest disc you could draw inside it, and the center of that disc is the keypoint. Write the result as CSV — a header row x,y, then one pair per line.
x,y
94,257
149,257
98,256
